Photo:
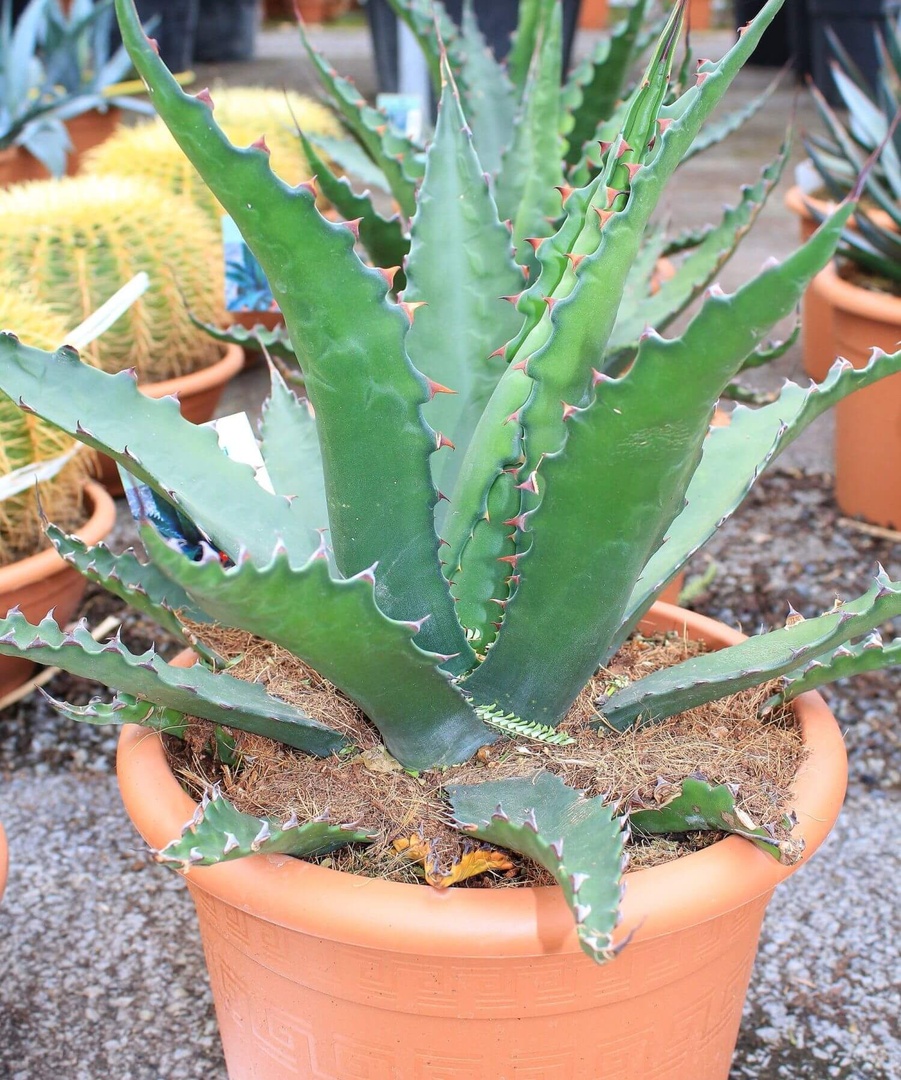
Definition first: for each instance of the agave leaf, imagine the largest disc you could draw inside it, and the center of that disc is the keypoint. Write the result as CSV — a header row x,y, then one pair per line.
x,y
457,216
383,238
289,444
139,433
531,167
717,674
490,100
139,584
364,389
601,78
196,690
871,654
423,717
532,22
487,499
435,32
702,265
725,125
123,709
219,832
395,155
275,342
733,458
696,804
579,840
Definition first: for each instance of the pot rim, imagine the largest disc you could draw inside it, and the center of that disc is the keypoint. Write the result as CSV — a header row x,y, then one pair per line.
x,y
491,922
845,296
20,574
195,382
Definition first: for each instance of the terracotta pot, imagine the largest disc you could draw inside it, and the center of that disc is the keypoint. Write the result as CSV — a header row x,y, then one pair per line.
x,y
4,861
88,130
701,14
45,581
198,395
593,14
868,423
17,165
322,974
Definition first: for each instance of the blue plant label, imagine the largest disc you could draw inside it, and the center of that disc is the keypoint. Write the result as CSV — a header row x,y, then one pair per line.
x,y
404,112
246,287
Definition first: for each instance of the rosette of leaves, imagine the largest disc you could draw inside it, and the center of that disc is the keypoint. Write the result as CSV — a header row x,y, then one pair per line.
x,y
77,240
572,493
870,127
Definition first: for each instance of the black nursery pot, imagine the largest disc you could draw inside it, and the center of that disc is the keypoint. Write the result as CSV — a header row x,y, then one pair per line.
x,y
496,18
854,23
226,30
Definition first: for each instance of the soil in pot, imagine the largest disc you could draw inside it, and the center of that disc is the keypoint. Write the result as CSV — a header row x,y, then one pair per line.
x,y
392,980
868,423
43,581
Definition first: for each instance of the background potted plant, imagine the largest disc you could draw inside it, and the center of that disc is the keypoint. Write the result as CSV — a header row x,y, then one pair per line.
x,y
854,304
609,489
40,472
76,240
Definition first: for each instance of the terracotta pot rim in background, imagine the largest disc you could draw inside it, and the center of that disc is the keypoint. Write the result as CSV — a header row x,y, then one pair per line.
x,y
195,382
35,567
415,919
796,200
862,302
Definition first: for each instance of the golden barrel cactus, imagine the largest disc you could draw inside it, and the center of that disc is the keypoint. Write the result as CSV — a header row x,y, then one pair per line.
x,y
24,439
78,240
245,113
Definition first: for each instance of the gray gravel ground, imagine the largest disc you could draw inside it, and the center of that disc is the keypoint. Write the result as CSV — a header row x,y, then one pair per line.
x,y
101,972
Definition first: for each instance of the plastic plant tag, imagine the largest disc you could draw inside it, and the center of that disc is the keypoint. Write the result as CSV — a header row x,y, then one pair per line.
x,y
237,441
404,113
246,287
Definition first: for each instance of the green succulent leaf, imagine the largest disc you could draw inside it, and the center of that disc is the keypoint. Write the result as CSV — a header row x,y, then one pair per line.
x,y
383,238
490,100
602,77
700,267
435,33
219,832
753,662
123,709
196,690
395,155
276,342
460,267
733,458
578,840
289,444
341,633
871,654
140,584
531,167
698,805
364,390
139,433
533,17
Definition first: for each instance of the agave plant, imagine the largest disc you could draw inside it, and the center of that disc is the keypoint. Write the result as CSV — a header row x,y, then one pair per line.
x,y
573,493
871,127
